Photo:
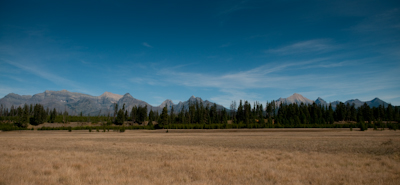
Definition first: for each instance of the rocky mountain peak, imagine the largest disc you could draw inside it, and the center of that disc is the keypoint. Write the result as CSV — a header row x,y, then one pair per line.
x,y
320,101
127,95
194,99
298,98
376,99
111,95
167,103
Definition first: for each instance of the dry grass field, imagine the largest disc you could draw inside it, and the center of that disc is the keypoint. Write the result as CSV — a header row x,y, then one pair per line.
x,y
264,156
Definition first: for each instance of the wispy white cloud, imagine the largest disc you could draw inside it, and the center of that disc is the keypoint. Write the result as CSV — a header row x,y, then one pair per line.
x,y
140,80
332,64
261,77
44,74
280,76
179,66
13,78
147,45
304,47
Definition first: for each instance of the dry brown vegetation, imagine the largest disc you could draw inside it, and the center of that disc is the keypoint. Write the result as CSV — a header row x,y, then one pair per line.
x,y
79,124
262,156
69,124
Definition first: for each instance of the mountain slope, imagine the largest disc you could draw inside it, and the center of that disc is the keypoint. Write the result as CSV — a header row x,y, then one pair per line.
x,y
76,103
357,103
72,102
130,102
320,101
376,102
111,96
295,98
192,101
167,103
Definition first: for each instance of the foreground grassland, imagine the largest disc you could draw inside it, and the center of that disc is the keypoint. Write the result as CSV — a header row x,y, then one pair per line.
x,y
258,156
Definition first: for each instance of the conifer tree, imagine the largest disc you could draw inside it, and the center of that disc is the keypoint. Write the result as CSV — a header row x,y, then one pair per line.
x,y
151,117
172,116
233,111
133,114
120,116
115,110
39,115
25,114
239,115
330,114
164,116
126,115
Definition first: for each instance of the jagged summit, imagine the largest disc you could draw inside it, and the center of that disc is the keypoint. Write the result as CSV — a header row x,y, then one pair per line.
x,y
295,98
13,95
376,102
376,99
167,103
191,101
356,102
75,102
127,95
194,99
320,101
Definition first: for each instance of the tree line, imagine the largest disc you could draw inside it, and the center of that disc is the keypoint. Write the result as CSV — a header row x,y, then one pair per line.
x,y
365,116
196,115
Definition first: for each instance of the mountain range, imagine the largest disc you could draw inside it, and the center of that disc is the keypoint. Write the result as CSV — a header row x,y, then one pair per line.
x,y
76,103
298,98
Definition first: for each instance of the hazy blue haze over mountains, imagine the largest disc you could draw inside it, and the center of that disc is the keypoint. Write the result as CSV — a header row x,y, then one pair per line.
x,y
75,103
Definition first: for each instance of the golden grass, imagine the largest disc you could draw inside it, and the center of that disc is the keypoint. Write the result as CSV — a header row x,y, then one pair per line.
x,y
262,156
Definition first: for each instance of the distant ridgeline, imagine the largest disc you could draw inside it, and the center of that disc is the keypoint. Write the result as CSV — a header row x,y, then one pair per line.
x,y
111,109
77,103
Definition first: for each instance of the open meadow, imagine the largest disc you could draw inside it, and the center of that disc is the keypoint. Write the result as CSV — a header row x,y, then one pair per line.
x,y
256,156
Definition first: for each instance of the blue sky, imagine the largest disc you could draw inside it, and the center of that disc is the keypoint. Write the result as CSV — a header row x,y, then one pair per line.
x,y
217,50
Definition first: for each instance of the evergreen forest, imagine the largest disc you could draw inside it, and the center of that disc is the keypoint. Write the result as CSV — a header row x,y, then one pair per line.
x,y
198,116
